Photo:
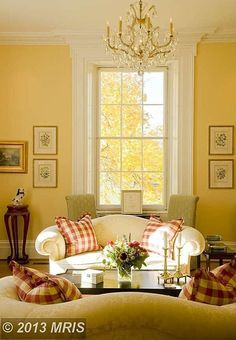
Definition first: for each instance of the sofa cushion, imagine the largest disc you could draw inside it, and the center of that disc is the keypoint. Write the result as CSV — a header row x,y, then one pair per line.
x,y
37,287
218,288
79,236
154,233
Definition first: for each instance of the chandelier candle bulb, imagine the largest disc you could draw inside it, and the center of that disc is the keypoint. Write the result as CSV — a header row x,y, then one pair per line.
x,y
120,25
171,26
108,30
148,22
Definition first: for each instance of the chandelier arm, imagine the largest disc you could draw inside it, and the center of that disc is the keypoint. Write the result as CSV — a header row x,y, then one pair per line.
x,y
116,48
164,45
134,16
158,52
132,39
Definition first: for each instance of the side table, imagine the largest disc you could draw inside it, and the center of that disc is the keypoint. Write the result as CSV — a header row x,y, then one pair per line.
x,y
13,211
218,255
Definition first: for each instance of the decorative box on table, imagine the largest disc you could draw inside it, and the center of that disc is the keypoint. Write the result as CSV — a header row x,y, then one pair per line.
x,y
92,276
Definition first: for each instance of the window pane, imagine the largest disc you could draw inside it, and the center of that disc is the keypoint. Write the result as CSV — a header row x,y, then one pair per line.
x,y
131,155
153,87
131,88
110,87
132,121
109,188
110,120
152,188
109,155
131,180
153,120
153,155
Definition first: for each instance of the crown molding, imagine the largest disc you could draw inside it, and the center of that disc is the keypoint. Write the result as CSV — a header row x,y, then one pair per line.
x,y
94,38
31,38
224,36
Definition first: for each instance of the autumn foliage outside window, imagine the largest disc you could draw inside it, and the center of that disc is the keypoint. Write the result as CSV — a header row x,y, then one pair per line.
x,y
132,139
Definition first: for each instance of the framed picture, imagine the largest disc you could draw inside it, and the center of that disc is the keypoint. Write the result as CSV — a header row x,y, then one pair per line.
x,y
13,156
45,140
131,201
221,174
44,173
221,140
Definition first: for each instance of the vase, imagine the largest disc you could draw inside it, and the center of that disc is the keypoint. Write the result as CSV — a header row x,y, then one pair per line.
x,y
124,274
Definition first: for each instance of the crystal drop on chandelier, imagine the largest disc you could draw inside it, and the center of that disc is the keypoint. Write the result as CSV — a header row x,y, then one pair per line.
x,y
138,46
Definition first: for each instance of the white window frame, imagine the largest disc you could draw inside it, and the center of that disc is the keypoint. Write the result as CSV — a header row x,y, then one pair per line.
x,y
180,108
153,207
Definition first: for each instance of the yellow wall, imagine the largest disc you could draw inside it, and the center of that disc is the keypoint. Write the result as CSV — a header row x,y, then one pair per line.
x,y
215,104
35,89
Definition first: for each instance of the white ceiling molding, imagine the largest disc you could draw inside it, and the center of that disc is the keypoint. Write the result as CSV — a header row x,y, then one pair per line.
x,y
228,36
86,39
32,38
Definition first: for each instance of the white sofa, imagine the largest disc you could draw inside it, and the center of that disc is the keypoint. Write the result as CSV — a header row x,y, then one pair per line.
x,y
51,243
131,315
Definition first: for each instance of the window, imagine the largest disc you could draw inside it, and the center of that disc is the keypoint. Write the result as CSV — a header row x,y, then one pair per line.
x,y
132,137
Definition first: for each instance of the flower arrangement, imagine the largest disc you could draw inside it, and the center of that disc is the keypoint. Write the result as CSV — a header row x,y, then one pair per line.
x,y
124,255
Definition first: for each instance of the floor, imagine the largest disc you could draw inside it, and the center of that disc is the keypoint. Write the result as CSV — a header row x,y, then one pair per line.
x,y
41,265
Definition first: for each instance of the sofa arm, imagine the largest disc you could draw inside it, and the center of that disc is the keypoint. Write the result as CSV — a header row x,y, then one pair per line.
x,y
193,241
51,243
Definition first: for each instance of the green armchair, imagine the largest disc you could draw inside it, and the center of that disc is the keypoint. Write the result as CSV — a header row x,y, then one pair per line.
x,y
77,205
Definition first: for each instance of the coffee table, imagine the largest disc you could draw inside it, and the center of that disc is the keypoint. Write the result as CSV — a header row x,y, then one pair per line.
x,y
142,281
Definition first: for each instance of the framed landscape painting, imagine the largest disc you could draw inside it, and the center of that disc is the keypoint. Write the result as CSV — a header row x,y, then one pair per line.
x,y
45,140
13,156
221,174
44,173
221,140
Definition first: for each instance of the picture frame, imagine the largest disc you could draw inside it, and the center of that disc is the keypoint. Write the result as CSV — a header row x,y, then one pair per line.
x,y
221,174
221,140
131,202
13,156
44,173
45,140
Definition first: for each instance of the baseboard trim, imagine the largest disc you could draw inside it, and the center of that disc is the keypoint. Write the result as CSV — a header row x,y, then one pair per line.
x,y
30,250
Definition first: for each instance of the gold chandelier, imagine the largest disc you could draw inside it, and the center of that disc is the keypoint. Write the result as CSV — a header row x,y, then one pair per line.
x,y
138,46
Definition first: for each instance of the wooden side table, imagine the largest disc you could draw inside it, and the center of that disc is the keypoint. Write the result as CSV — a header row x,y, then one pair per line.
x,y
218,255
13,212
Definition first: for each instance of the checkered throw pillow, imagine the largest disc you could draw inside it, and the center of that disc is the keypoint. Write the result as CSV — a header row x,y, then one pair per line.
x,y
218,288
36,287
79,236
154,233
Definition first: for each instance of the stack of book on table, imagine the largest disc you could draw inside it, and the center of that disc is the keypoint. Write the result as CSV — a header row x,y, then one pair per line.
x,y
214,244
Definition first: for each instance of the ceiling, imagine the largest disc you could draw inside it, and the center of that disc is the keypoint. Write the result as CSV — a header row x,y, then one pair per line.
x,y
87,16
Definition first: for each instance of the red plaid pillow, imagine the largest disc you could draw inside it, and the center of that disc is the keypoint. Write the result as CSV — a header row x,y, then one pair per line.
x,y
79,236
36,287
154,233
227,272
216,289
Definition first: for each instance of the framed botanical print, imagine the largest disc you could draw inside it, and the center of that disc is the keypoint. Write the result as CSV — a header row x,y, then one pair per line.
x,y
221,140
221,174
44,173
45,140
13,156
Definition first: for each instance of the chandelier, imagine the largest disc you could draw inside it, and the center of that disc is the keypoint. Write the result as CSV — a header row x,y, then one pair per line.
x,y
138,46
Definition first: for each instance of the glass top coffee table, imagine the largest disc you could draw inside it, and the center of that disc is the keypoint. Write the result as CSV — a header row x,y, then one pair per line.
x,y
142,281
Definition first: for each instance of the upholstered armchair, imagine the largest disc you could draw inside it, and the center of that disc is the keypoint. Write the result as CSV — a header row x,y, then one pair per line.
x,y
183,206
77,205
